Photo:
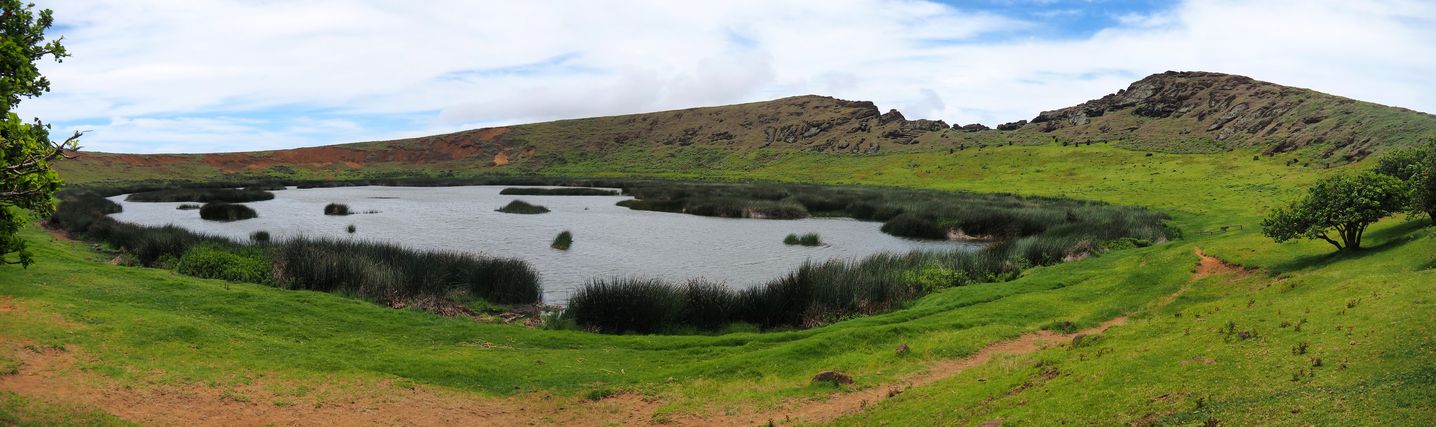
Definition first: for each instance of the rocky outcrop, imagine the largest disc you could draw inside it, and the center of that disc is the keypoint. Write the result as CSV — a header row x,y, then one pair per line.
x,y
1203,112
975,127
1012,125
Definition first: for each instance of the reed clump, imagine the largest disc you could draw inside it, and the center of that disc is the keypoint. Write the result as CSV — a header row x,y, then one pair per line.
x,y
562,191
337,209
563,241
226,212
522,207
807,239
201,195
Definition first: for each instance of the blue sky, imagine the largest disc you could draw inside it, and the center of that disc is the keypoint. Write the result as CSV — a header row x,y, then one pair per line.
x,y
186,76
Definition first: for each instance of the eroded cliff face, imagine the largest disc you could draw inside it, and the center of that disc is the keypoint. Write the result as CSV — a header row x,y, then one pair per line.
x,y
1204,112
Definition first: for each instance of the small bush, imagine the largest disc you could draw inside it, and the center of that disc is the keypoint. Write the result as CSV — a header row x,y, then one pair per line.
x,y
563,241
336,209
809,239
220,211
522,207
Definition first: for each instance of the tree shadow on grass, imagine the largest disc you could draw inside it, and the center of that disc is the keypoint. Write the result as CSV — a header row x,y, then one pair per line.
x,y
1374,244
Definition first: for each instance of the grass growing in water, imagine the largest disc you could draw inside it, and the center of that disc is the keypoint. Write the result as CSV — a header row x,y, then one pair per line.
x,y
336,209
565,191
809,239
220,211
187,207
201,195
351,229
563,241
522,207
260,236
378,272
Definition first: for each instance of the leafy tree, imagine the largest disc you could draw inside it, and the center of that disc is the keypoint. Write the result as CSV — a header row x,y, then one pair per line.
x,y
27,180
1417,167
1344,205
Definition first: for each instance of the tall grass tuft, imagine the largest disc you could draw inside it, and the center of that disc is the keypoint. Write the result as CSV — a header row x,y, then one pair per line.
x,y
220,211
187,207
522,207
336,209
808,239
563,241
563,191
386,272
259,237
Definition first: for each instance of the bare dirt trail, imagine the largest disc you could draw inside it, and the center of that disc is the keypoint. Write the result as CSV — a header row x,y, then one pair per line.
x,y
53,375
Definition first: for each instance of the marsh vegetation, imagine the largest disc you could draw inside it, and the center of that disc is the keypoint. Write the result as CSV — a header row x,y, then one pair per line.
x,y
522,207
562,191
226,212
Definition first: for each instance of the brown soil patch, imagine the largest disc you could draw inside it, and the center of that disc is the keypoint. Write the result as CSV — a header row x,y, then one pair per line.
x,y
1209,266
53,376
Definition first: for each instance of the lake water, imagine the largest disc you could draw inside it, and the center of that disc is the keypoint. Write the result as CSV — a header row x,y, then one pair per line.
x,y
609,240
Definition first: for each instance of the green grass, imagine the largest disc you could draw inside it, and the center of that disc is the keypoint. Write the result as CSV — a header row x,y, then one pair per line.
x,y
807,239
1368,311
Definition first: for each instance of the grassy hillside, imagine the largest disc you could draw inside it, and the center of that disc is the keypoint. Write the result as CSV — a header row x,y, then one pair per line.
x,y
1189,112
1190,344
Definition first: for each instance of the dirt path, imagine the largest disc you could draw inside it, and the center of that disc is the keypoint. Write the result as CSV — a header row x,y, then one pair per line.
x,y
849,403
54,376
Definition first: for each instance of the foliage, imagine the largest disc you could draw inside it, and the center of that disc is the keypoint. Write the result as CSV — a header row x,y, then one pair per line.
x,y
234,263
386,273
201,195
563,241
562,191
1343,204
808,239
522,207
336,209
1417,167
28,181
221,211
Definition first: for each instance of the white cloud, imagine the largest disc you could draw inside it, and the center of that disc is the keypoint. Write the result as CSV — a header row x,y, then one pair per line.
x,y
185,72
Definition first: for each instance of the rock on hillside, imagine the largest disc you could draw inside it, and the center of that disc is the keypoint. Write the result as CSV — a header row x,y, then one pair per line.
x,y
1208,112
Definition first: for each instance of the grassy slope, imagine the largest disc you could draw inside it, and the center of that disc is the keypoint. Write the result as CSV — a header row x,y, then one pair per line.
x,y
140,326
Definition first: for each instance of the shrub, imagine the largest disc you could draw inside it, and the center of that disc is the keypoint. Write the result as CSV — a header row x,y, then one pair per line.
x,y
233,263
77,211
565,191
809,239
201,195
563,241
522,207
915,226
336,209
220,211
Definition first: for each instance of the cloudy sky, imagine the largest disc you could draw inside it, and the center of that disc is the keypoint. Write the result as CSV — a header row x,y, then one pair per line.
x,y
235,75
